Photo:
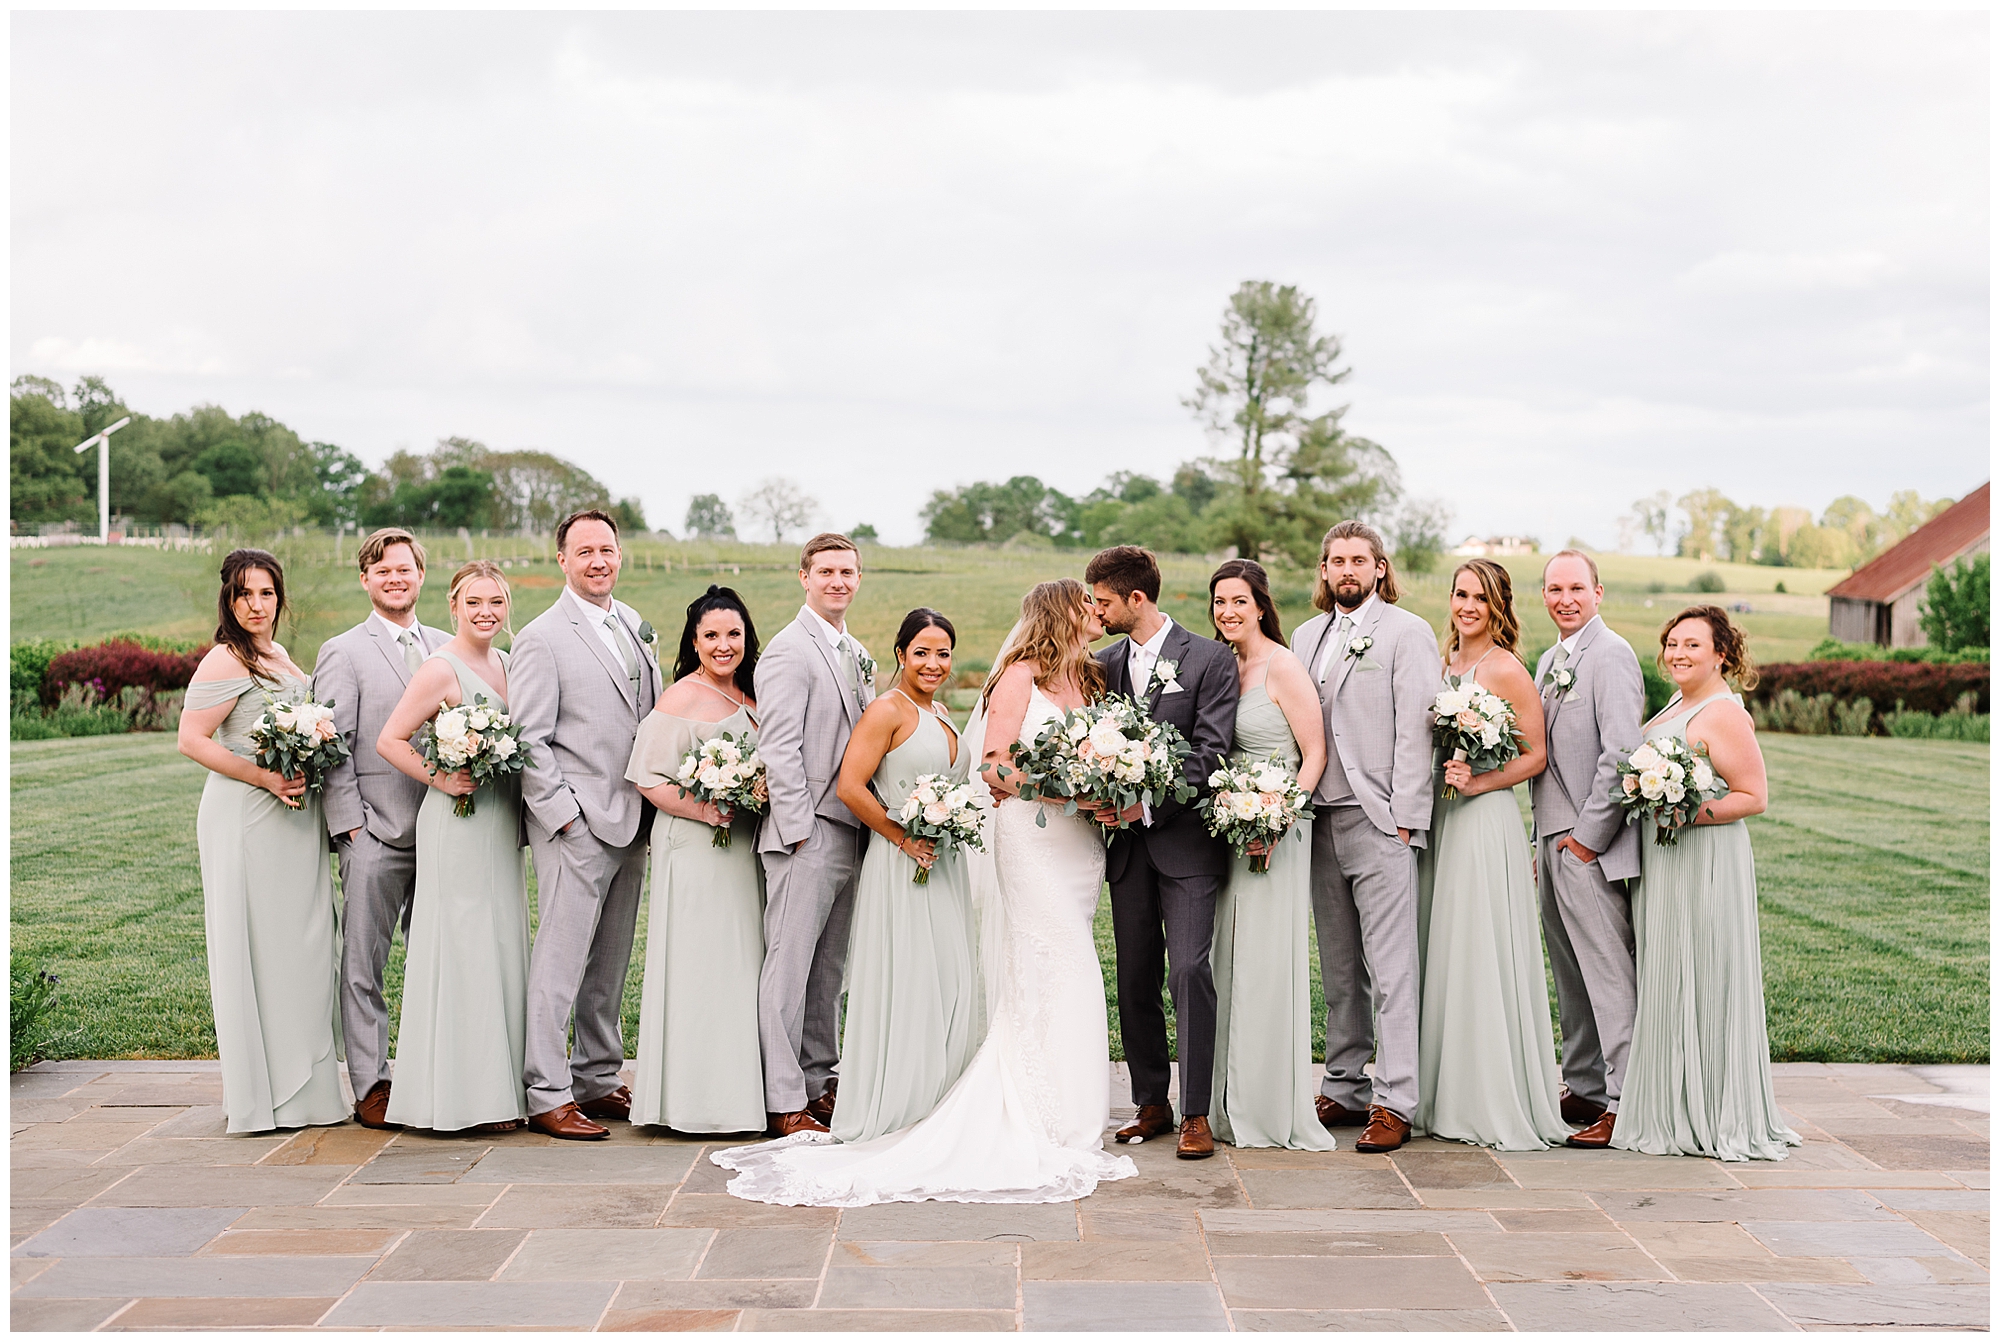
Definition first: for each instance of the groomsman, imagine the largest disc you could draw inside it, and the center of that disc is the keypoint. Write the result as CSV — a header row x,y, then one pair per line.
x,y
813,681
1378,672
583,675
1165,870
1593,699
371,808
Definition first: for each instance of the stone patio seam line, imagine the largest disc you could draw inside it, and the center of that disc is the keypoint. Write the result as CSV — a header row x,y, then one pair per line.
x,y
1485,1287
114,1314
114,1183
1755,1289
701,1257
1020,1275
505,1189
514,1252
825,1264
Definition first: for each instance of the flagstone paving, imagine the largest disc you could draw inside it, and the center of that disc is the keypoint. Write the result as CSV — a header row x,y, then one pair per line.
x,y
132,1209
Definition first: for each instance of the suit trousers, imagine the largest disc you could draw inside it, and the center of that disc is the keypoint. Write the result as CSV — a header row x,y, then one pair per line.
x,y
808,909
1161,922
377,882
1587,920
1364,897
588,894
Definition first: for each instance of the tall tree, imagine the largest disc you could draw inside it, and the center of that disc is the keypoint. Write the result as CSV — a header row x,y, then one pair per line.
x,y
780,505
709,518
1707,513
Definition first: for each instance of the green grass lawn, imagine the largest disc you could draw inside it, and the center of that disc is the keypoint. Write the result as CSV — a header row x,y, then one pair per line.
x,y
1874,911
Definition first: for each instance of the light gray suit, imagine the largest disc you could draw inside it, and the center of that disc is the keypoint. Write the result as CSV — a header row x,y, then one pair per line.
x,y
362,673
1364,879
579,713
810,844
1587,918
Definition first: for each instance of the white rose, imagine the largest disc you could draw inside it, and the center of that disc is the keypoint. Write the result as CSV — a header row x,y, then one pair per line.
x,y
478,719
1243,805
1078,729
688,768
966,818
504,747
1452,702
710,776
1652,784
451,725
1106,739
1675,772
937,813
1645,757
1704,777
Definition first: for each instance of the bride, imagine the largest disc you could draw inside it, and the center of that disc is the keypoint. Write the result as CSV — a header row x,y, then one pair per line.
x,y
1025,1123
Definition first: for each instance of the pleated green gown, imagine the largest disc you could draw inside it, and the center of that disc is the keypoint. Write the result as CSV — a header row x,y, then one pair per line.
x,y
913,1004
1264,1086
1698,1079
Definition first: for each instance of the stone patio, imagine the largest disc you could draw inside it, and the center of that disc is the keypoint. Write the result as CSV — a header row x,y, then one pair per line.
x,y
132,1209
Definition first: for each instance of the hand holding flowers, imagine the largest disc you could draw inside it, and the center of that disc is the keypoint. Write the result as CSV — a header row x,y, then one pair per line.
x,y
943,812
1474,727
475,742
1254,806
726,771
297,740
1103,760
1667,780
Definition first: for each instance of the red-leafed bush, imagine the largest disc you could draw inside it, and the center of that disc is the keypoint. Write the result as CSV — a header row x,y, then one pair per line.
x,y
109,668
1923,687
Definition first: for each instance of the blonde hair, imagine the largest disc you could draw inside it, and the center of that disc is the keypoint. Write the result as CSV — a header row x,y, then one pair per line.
x,y
468,572
1500,619
1050,635
1386,588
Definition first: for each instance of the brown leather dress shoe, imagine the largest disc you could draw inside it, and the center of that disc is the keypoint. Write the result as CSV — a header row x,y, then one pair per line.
x,y
822,1108
1597,1136
1577,1111
1385,1132
1197,1142
567,1121
1334,1114
618,1105
799,1120
373,1110
1153,1120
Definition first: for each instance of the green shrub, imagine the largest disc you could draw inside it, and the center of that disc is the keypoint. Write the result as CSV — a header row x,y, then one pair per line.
x,y
28,671
1790,711
1958,608
1659,686
31,1001
1833,650
1853,717
1706,581
1961,723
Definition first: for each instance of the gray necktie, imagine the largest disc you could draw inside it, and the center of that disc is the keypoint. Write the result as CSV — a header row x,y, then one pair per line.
x,y
413,654
850,666
1556,663
625,653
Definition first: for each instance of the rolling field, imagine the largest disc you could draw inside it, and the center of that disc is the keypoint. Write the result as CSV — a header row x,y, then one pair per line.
x,y
1872,866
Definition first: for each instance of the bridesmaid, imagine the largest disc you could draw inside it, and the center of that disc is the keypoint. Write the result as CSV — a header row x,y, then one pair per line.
x,y
465,979
1263,1018
913,999
1486,1061
699,1068
267,891
1699,1079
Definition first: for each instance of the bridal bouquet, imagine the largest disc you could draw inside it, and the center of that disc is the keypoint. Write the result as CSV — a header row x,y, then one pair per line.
x,y
1248,802
1668,780
1104,754
942,810
1476,726
298,738
728,771
476,738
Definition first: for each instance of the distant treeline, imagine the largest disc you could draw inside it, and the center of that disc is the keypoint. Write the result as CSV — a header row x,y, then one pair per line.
x,y
1706,524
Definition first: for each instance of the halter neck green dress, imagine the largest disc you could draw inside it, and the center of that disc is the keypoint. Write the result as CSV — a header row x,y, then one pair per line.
x,y
272,930
913,995
1264,1078
1698,1082
459,1045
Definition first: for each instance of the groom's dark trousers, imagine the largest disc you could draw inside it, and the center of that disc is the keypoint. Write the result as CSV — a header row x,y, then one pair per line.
x,y
1165,877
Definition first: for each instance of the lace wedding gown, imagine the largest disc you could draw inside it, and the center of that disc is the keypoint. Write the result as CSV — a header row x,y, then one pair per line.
x,y
1025,1123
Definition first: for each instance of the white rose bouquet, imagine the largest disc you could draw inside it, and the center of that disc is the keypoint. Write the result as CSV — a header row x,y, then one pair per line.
x,y
478,739
1248,802
1668,780
944,811
727,770
1474,725
1104,754
295,738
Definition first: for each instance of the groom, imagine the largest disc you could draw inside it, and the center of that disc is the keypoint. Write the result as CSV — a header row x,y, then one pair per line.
x,y
1165,870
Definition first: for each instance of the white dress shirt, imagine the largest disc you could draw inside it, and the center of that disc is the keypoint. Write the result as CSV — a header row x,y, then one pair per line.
x,y
1144,656
389,629
1568,645
1325,667
594,615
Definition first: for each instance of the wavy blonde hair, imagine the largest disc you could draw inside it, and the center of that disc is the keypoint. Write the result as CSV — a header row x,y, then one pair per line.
x,y
1051,636
1501,621
468,572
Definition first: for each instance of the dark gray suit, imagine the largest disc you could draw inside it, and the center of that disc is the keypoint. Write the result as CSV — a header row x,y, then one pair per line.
x,y
363,675
1586,910
1165,877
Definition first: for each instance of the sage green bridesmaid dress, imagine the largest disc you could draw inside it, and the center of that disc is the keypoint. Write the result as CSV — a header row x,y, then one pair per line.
x,y
698,1067
465,979
1698,1078
1486,1056
913,996
273,932
1264,1087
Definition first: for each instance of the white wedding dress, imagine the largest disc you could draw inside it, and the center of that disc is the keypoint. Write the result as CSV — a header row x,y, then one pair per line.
x,y
1025,1121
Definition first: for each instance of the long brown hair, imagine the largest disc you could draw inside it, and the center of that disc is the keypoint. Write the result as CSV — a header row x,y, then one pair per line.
x,y
1501,621
1052,615
1350,530
1252,575
228,632
1731,647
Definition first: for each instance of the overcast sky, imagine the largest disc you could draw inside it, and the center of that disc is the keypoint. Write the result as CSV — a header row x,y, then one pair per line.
x,y
1573,258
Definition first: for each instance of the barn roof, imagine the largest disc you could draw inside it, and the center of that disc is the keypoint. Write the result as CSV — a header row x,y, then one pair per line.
x,y
1908,562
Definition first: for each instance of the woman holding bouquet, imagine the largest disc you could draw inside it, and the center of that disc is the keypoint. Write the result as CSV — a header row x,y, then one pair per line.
x,y
1699,1079
699,1068
1263,980
267,892
912,995
465,980
1486,1054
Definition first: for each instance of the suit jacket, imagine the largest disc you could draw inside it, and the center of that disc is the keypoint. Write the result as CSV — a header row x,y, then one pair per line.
x,y
578,719
1377,706
1590,729
805,713
361,673
1205,712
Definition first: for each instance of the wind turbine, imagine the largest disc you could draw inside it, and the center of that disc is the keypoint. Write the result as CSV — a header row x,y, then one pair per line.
x,y
101,440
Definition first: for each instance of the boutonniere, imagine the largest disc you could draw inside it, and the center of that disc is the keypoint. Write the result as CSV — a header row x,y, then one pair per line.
x,y
866,665
1562,680
1359,646
649,639
1164,676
